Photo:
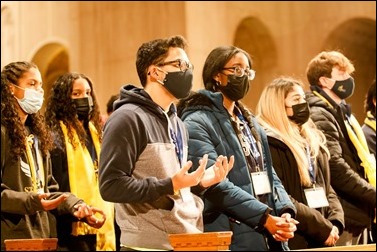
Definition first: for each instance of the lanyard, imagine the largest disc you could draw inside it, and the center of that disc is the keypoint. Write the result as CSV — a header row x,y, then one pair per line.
x,y
36,165
251,140
178,142
311,165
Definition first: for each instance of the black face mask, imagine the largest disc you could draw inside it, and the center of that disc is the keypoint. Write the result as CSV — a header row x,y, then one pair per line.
x,y
237,87
344,89
83,107
301,113
179,84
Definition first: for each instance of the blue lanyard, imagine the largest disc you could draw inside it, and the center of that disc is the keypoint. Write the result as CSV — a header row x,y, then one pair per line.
x,y
311,165
178,142
253,143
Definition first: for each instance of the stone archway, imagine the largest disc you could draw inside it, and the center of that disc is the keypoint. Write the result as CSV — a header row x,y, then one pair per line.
x,y
52,60
253,36
356,39
8,42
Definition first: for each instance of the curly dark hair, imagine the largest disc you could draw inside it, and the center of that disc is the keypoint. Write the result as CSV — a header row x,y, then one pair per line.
x,y
10,119
60,107
110,103
154,52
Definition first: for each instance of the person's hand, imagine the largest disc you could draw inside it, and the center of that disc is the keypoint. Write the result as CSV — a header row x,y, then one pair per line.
x,y
53,203
84,211
217,172
94,220
281,228
333,237
184,179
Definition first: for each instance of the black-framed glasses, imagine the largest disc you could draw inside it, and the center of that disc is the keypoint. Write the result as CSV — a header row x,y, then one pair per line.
x,y
240,72
183,65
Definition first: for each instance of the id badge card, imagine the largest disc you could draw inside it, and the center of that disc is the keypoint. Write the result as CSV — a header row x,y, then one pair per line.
x,y
186,194
316,197
261,183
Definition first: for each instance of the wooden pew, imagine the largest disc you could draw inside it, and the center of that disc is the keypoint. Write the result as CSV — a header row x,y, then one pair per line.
x,y
362,247
208,241
48,244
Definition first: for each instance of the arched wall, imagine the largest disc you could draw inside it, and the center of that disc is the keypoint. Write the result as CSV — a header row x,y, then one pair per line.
x,y
253,36
52,60
101,37
356,38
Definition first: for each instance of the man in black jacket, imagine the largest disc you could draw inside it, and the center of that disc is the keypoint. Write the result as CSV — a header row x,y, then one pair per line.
x,y
353,174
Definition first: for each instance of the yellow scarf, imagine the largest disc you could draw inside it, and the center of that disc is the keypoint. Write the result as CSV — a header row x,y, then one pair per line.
x,y
369,121
83,180
358,139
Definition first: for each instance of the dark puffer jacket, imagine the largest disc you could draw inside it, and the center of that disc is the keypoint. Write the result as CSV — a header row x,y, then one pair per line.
x,y
231,204
357,196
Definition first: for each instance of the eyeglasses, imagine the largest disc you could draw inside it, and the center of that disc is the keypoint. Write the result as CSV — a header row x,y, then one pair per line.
x,y
240,72
181,64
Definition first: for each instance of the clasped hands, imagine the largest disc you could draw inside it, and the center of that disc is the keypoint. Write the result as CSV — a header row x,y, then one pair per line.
x,y
333,237
204,177
88,212
82,210
281,228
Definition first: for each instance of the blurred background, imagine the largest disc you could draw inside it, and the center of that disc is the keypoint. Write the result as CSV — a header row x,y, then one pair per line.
x,y
100,38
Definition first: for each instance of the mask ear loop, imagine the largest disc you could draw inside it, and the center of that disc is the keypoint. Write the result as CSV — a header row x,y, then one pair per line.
x,y
159,81
154,75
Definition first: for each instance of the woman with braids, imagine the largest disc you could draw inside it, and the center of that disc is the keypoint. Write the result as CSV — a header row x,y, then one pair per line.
x,y
29,193
72,114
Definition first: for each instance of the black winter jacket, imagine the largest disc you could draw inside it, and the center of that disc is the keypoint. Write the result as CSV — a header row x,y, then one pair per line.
x,y
357,196
315,224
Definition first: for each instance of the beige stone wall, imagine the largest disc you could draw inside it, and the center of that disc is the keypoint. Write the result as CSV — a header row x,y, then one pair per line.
x,y
101,38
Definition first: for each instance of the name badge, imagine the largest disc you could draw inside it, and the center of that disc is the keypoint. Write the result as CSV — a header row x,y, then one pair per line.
x,y
316,197
261,183
186,194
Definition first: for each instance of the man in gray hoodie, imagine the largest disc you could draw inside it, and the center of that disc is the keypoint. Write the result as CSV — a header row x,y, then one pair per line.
x,y
143,164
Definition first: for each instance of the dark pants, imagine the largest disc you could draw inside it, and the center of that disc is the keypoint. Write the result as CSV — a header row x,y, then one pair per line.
x,y
78,243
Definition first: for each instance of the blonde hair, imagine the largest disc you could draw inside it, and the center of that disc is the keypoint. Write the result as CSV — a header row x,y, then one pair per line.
x,y
273,117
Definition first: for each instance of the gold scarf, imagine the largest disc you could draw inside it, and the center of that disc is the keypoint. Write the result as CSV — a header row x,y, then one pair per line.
x,y
358,139
83,180
370,121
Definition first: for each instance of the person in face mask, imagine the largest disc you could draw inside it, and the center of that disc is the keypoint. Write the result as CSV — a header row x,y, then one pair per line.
x,y
143,163
73,116
353,172
301,160
30,199
219,124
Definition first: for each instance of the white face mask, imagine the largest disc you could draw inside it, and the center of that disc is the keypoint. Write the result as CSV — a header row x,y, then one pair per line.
x,y
32,101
